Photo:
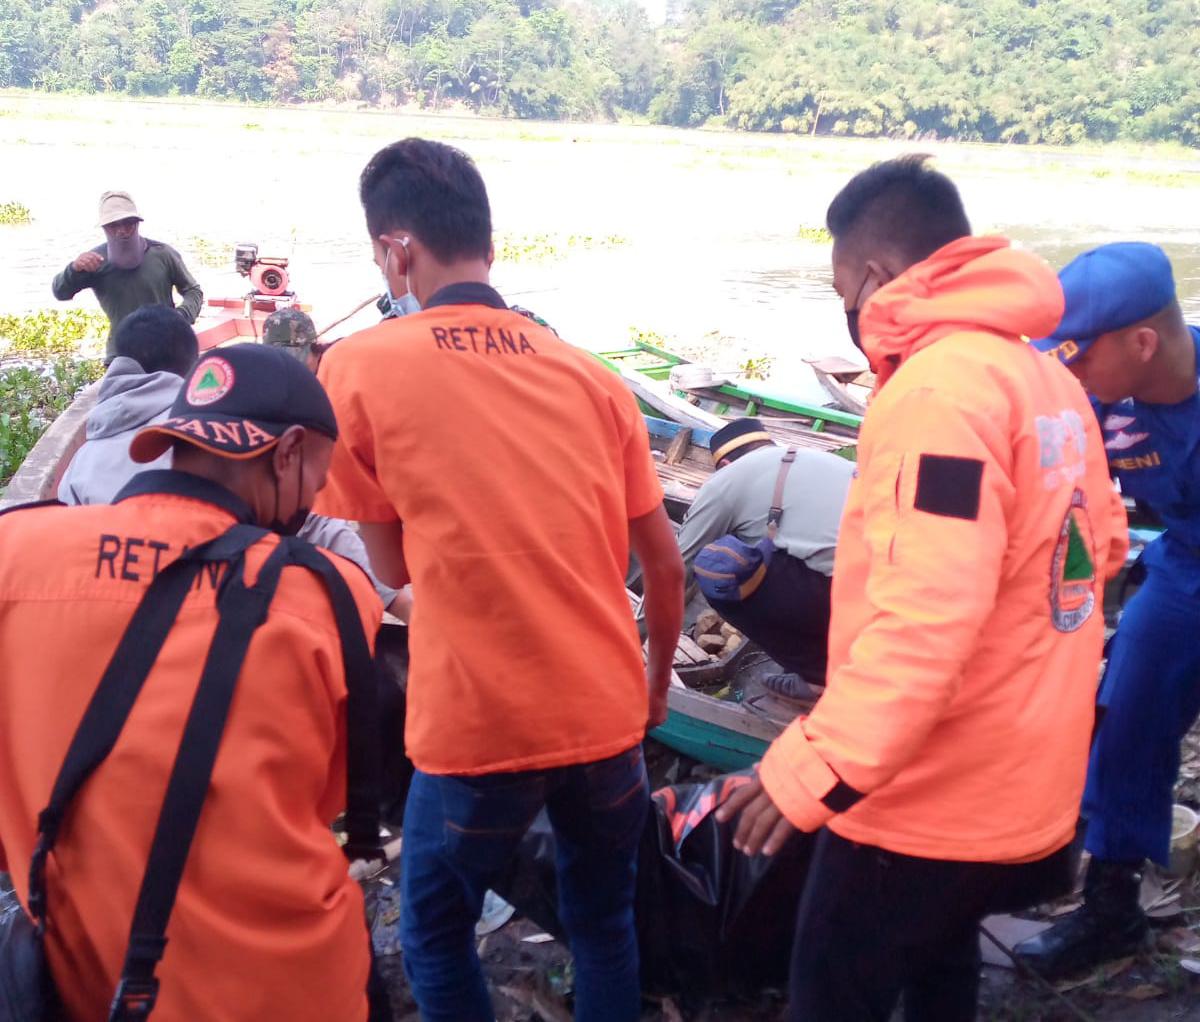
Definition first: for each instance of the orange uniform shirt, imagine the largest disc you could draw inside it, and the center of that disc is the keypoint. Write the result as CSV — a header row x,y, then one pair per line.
x,y
967,622
515,463
267,924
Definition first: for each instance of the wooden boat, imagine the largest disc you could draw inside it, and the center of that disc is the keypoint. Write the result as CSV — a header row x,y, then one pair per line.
x,y
238,320
848,385
719,398
717,712
683,461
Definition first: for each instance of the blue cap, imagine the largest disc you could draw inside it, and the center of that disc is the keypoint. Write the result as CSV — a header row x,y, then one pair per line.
x,y
1107,289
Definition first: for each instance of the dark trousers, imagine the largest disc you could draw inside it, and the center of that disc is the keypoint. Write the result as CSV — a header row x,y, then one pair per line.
x,y
788,616
461,832
1150,697
875,925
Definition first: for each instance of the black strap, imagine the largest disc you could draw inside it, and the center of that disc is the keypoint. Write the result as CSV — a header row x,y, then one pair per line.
x,y
114,697
242,610
362,710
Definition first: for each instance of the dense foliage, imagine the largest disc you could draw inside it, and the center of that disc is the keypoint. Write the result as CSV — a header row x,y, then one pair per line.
x,y
41,371
33,395
1003,70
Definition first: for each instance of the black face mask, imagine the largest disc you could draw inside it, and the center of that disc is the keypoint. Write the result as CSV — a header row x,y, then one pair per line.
x,y
852,315
852,328
297,518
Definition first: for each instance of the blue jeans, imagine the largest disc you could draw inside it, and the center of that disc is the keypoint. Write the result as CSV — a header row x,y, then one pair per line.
x,y
460,832
1151,696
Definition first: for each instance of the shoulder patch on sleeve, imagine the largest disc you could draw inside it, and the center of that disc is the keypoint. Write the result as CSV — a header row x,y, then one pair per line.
x,y
949,486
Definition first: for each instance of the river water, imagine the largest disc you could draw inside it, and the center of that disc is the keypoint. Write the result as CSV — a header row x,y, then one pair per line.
x,y
691,235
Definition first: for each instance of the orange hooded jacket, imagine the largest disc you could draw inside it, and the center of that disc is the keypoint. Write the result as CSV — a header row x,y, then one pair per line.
x,y
967,619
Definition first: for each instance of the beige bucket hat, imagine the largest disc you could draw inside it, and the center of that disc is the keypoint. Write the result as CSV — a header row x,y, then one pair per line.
x,y
116,206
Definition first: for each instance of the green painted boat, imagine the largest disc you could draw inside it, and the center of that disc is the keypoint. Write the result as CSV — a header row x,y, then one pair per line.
x,y
727,400
724,734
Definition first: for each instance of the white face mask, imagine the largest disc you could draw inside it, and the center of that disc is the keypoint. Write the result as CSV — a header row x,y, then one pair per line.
x,y
407,303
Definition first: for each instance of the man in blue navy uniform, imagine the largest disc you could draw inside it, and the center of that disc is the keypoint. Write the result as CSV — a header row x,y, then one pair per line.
x,y
1124,336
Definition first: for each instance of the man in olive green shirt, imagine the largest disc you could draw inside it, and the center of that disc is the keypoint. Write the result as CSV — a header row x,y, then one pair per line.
x,y
128,271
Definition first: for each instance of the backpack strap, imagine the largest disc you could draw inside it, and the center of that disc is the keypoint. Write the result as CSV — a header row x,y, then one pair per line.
x,y
113,699
362,711
242,609
775,514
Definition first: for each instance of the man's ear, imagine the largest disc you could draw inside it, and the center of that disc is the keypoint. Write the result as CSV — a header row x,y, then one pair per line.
x,y
288,449
1145,342
398,253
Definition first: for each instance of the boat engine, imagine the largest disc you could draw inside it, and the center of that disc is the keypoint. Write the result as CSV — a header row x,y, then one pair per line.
x,y
268,275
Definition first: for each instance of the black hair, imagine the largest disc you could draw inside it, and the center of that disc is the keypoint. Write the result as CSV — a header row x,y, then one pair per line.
x,y
159,339
901,204
433,190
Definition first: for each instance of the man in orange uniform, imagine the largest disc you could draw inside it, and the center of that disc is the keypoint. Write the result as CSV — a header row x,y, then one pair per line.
x,y
510,474
948,753
267,924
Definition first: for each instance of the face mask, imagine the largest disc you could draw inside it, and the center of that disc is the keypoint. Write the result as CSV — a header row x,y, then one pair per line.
x,y
295,521
852,315
407,303
852,328
126,253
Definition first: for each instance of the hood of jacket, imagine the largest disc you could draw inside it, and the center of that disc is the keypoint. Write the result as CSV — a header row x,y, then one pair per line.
x,y
130,398
972,284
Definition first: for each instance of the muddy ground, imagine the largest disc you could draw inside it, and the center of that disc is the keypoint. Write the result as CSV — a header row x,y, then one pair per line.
x,y
531,979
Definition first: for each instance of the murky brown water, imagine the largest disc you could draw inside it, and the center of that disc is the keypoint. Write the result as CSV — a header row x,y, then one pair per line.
x,y
707,221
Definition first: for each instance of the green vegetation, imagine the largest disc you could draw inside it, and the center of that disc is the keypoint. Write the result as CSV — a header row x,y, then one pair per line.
x,y
817,235
44,372
216,255
32,397
995,70
54,332
512,248
14,213
757,368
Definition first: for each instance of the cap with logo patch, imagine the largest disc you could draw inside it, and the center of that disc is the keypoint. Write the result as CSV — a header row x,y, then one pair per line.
x,y
1108,289
237,402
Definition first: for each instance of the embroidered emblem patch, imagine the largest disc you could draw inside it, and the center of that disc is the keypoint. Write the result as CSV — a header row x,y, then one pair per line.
x,y
1073,570
211,381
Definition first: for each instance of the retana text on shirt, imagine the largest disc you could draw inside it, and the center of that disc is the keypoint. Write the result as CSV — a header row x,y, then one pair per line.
x,y
483,340
138,559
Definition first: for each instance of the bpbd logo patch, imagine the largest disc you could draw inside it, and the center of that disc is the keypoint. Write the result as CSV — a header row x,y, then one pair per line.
x,y
1073,571
211,381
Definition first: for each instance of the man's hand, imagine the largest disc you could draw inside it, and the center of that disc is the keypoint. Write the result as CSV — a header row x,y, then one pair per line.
x,y
762,827
89,262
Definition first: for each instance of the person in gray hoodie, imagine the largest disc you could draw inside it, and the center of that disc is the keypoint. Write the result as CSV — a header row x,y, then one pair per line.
x,y
155,349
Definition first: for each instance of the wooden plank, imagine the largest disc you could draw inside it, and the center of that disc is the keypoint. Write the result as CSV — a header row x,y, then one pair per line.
x,y
679,446
690,649
731,716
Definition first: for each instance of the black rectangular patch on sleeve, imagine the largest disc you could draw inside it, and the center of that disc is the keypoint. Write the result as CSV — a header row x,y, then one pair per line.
x,y
842,797
949,486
